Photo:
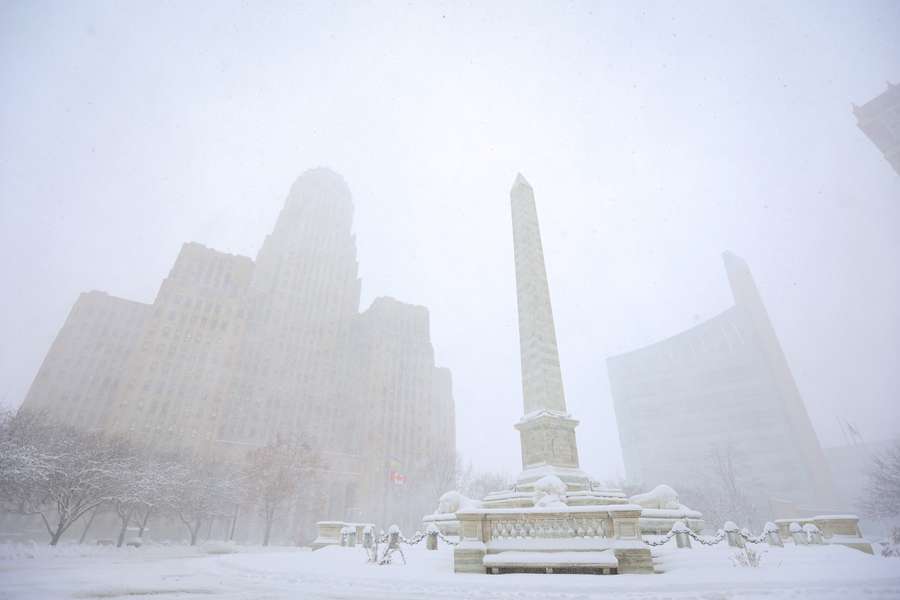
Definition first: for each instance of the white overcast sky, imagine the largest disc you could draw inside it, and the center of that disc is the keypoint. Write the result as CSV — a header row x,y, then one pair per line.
x,y
655,136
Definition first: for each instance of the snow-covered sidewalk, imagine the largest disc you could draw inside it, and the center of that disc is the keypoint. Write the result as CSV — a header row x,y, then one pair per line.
x,y
169,572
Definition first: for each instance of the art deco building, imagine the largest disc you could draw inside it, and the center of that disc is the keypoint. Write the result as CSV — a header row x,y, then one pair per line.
x,y
879,119
721,386
234,352
402,437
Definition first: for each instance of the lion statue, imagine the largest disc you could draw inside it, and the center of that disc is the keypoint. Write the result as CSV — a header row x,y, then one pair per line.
x,y
662,497
453,501
549,492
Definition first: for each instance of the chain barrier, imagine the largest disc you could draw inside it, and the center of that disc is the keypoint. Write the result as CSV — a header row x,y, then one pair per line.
x,y
753,540
447,541
718,538
418,537
720,535
662,541
394,538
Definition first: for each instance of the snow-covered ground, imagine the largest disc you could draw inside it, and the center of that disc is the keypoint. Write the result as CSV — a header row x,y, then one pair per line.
x,y
169,572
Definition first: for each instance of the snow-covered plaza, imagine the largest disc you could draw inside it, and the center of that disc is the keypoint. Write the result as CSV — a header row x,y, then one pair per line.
x,y
164,572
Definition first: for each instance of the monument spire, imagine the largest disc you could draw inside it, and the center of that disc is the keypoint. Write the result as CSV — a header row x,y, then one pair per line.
x,y
542,387
547,431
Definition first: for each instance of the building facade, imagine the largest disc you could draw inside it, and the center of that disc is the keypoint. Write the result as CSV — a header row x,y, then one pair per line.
x,y
235,352
879,119
720,388
83,374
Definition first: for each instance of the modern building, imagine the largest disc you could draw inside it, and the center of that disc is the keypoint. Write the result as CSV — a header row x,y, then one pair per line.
x,y
879,119
234,352
723,386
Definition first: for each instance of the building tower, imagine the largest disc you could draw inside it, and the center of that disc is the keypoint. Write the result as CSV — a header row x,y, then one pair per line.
x,y
879,119
301,301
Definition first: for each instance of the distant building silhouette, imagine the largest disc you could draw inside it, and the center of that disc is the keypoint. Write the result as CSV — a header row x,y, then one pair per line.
x,y
234,352
879,119
721,386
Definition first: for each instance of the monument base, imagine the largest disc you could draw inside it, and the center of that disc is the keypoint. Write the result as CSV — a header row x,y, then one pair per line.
x,y
549,448
589,539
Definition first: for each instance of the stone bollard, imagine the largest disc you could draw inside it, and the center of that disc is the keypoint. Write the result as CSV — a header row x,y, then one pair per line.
x,y
813,535
682,535
733,535
773,538
797,534
432,533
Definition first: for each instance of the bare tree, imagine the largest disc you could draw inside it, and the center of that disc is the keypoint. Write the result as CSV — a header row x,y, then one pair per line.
x,y
148,482
721,490
161,475
25,466
202,490
882,493
274,475
478,484
55,471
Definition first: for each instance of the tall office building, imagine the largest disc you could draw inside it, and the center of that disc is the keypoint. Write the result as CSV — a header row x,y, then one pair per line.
x,y
879,119
723,385
234,352
404,440
83,373
177,377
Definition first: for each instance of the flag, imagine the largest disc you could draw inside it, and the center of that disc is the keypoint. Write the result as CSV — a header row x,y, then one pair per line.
x,y
394,474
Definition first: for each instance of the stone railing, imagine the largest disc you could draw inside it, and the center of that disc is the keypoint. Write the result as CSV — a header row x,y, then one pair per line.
x,y
835,529
330,532
566,526
590,529
814,531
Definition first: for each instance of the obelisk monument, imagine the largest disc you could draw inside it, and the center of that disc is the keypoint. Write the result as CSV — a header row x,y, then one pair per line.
x,y
547,430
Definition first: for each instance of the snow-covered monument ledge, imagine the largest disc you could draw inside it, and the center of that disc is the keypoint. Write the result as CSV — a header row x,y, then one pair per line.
x,y
555,518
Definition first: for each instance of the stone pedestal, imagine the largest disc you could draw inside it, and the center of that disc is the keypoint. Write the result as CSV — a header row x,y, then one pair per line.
x,y
549,448
842,530
329,534
560,539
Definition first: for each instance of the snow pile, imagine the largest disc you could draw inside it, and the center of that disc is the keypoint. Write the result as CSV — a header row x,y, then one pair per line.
x,y
14,551
217,547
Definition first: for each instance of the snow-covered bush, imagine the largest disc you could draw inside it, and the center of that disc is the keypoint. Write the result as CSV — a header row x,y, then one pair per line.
x,y
747,557
891,546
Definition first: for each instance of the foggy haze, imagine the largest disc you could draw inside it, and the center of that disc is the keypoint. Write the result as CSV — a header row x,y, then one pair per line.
x,y
655,136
